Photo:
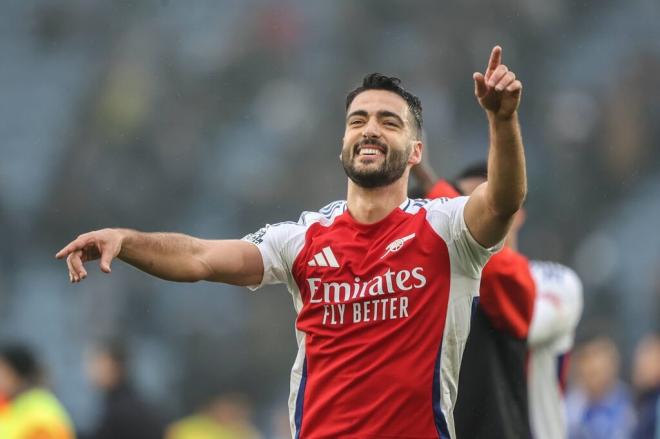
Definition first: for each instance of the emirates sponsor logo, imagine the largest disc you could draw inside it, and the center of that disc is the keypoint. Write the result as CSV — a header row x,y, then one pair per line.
x,y
388,283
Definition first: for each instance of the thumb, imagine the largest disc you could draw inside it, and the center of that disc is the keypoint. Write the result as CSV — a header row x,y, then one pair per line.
x,y
480,88
106,260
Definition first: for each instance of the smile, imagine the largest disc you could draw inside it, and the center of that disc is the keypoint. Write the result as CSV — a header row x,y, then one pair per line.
x,y
370,150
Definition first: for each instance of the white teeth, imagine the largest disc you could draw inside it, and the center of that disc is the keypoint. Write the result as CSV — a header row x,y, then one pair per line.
x,y
369,151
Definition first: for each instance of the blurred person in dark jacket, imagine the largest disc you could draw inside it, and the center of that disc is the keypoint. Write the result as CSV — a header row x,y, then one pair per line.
x,y
124,414
646,380
492,388
27,409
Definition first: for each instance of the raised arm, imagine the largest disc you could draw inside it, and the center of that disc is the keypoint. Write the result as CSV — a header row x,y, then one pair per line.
x,y
490,209
170,256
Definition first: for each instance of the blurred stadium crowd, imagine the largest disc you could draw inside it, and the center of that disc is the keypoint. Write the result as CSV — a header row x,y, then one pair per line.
x,y
206,116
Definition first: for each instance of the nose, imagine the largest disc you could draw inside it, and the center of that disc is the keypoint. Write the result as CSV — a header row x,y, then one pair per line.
x,y
371,129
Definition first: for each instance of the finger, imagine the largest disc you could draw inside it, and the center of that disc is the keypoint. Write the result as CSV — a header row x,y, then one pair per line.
x,y
480,88
77,244
69,266
515,86
77,264
506,80
106,260
494,61
497,75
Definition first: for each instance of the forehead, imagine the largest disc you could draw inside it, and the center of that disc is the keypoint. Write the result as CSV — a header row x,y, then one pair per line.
x,y
373,101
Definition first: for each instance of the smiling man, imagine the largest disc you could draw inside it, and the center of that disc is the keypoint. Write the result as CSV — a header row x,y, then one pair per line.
x,y
382,284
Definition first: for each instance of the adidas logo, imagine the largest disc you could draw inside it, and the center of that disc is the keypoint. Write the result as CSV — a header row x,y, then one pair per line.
x,y
324,258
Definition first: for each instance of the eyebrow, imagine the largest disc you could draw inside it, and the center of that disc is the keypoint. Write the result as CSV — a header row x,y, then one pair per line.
x,y
381,115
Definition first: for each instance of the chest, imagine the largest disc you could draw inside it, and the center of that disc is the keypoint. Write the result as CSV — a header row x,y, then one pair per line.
x,y
359,275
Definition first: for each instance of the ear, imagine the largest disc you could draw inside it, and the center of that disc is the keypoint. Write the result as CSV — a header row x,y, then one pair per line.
x,y
416,152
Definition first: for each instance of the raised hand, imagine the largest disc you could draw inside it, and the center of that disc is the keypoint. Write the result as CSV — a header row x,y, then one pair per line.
x,y
104,244
497,90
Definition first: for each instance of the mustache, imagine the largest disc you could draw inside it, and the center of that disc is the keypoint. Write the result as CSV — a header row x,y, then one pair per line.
x,y
370,142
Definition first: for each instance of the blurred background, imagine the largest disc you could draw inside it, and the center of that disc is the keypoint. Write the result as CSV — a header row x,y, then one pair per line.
x,y
215,117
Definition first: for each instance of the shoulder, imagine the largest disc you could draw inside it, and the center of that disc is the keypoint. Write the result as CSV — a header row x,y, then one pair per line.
x,y
285,230
434,205
556,276
325,215
43,404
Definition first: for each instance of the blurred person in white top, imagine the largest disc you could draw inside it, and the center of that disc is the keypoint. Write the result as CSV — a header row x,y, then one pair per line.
x,y
557,311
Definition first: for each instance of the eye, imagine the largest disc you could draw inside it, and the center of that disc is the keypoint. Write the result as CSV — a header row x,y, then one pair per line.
x,y
355,122
391,123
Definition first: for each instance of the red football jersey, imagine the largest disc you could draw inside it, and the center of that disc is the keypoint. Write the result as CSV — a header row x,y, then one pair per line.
x,y
383,315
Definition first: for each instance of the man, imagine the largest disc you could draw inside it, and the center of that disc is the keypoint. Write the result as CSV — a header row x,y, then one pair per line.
x,y
29,411
382,284
124,414
492,389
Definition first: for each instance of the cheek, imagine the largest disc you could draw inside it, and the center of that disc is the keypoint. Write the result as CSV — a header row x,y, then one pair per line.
x,y
347,143
350,137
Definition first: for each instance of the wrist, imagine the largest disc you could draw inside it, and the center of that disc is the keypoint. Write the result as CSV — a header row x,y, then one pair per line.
x,y
497,119
124,237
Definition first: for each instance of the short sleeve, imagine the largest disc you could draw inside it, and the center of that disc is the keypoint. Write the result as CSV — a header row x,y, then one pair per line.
x,y
278,245
447,219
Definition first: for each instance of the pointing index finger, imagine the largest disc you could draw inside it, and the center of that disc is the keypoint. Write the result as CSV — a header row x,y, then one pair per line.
x,y
78,244
495,59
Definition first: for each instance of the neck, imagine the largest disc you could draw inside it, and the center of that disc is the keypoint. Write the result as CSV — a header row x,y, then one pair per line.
x,y
368,206
512,241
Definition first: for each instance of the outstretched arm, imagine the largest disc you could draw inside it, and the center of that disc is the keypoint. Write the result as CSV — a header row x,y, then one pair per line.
x,y
170,256
490,209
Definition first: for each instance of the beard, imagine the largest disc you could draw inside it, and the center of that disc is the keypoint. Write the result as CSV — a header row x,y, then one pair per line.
x,y
392,168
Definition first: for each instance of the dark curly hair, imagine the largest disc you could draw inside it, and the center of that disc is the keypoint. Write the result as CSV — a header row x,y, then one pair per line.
x,y
22,361
378,81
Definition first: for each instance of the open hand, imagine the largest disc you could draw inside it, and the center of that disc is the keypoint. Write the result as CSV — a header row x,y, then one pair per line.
x,y
497,90
101,244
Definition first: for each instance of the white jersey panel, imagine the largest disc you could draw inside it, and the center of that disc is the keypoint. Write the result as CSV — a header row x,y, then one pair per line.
x,y
557,311
457,328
